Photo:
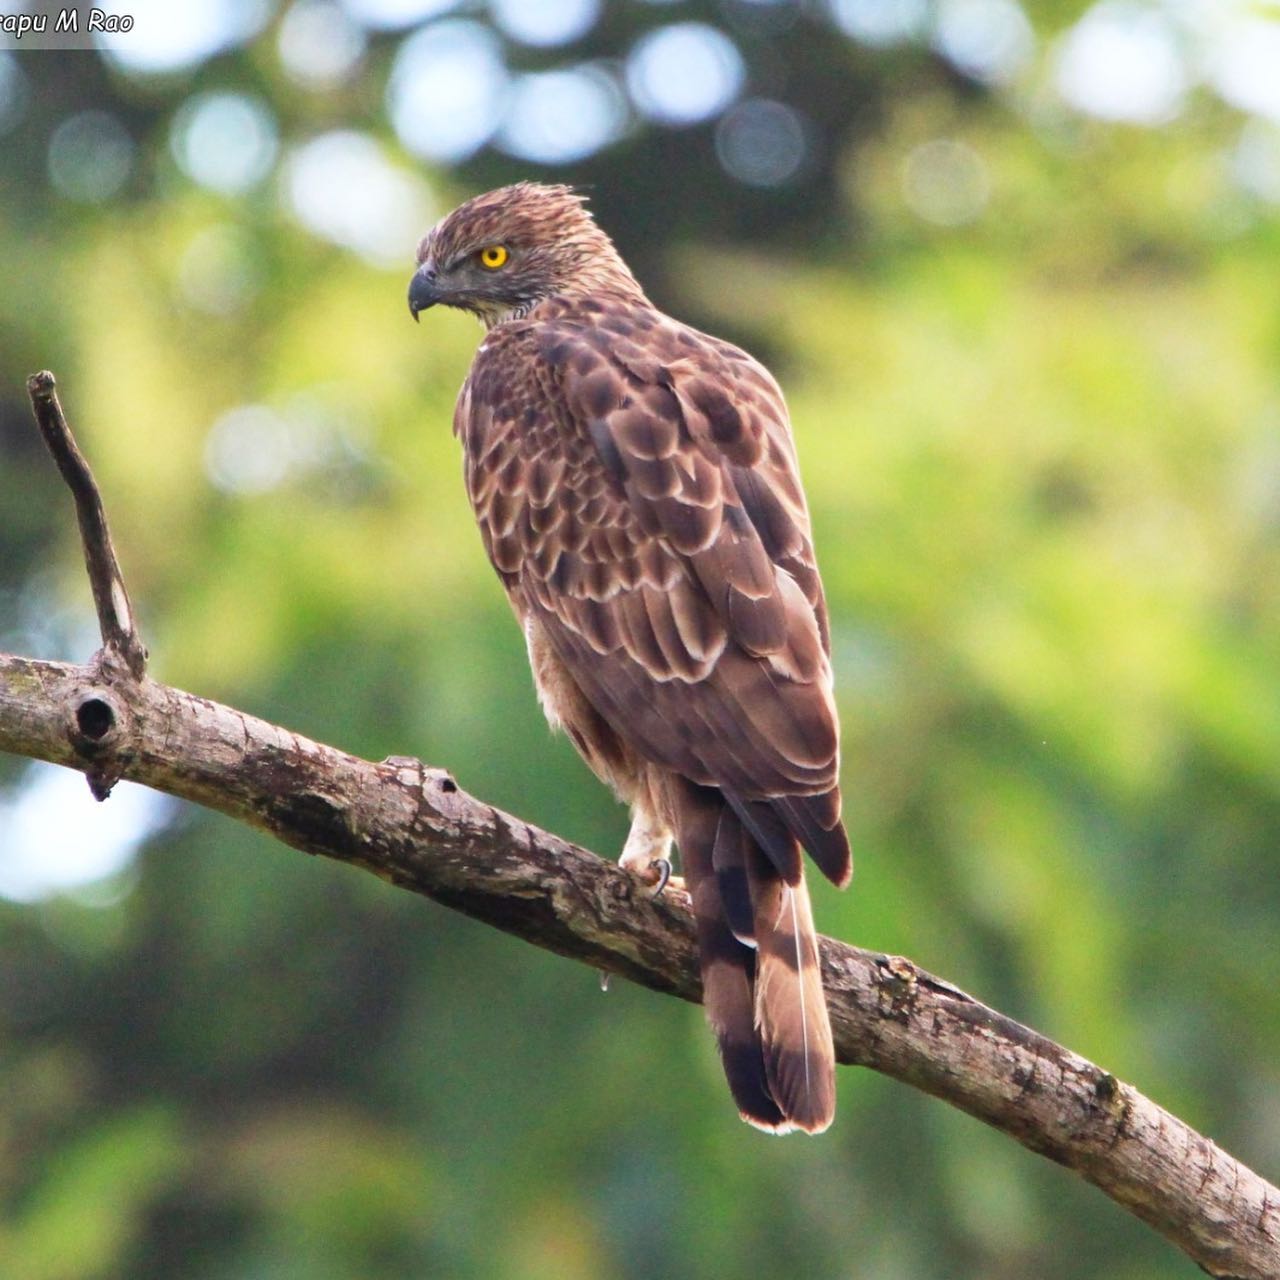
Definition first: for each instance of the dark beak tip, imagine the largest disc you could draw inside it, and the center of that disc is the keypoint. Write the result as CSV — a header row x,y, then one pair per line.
x,y
422,294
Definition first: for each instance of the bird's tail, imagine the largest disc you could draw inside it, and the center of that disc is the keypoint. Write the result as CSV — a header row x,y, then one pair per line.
x,y
762,987
791,1009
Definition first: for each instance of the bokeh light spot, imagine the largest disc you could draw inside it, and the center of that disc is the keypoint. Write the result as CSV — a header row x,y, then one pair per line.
x,y
167,36
545,22
945,182
1255,163
226,141
1244,66
342,187
762,143
254,449
1121,62
556,117
249,450
987,39
90,156
319,44
58,838
684,73
216,273
880,22
447,90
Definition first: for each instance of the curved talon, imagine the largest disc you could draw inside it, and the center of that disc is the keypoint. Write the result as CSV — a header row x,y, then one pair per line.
x,y
664,875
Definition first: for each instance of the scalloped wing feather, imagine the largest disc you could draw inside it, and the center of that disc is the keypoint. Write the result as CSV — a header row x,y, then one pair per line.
x,y
637,490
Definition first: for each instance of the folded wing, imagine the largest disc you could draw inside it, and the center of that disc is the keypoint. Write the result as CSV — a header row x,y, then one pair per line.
x,y
638,489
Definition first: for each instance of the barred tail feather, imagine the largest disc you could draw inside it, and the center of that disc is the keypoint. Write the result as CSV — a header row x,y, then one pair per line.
x,y
728,857
790,1006
765,1001
727,965
728,976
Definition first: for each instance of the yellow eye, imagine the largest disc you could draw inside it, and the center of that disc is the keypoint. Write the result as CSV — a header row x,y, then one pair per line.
x,y
494,256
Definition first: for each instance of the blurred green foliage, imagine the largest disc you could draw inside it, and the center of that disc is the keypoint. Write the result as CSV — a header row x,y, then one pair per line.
x,y
1040,443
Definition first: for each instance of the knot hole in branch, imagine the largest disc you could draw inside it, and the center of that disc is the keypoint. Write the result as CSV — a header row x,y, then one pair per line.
x,y
95,718
98,727
97,722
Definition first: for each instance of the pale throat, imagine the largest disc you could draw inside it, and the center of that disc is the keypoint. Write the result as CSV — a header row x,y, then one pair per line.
x,y
498,314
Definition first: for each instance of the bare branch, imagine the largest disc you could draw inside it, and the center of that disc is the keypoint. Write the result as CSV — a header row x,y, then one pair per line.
x,y
115,614
412,825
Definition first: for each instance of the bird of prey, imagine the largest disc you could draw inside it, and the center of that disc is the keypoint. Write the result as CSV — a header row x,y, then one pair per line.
x,y
636,487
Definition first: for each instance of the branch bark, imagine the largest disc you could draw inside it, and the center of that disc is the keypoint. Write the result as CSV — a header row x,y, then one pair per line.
x,y
413,826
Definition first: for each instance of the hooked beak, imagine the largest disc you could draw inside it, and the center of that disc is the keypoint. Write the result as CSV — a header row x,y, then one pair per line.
x,y
422,291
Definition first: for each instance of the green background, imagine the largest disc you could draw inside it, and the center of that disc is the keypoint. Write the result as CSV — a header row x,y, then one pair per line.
x,y
1039,433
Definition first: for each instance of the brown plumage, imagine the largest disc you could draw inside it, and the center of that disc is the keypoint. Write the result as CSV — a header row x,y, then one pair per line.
x,y
636,487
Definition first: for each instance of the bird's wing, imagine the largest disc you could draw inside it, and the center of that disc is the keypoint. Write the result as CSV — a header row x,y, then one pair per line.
x,y
637,488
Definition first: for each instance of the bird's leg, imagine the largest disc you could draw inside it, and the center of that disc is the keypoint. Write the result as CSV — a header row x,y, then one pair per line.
x,y
647,853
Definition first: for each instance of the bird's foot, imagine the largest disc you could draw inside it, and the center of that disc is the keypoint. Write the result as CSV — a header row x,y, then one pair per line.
x,y
655,874
647,856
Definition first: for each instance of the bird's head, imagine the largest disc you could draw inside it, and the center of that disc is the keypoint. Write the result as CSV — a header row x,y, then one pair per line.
x,y
501,253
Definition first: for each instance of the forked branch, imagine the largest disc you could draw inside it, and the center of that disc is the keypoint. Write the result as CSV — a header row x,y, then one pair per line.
x,y
413,826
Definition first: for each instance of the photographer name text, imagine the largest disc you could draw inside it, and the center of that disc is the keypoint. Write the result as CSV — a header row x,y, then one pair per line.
x,y
66,22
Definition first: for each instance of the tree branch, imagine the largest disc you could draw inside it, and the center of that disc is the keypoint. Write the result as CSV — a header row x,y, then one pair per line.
x,y
413,826
115,614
